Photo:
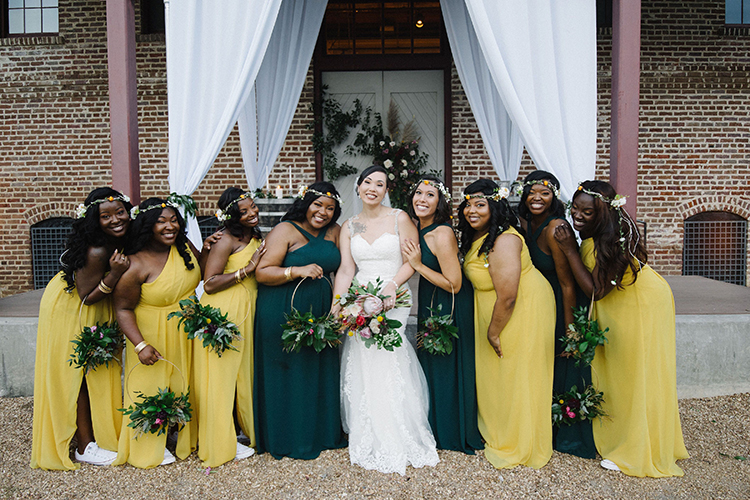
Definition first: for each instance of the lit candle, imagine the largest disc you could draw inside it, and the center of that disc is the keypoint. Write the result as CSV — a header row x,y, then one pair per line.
x,y
279,192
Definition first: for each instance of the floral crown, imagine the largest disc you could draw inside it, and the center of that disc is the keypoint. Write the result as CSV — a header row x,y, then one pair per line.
x,y
82,209
135,211
439,186
304,190
498,194
617,202
545,182
223,215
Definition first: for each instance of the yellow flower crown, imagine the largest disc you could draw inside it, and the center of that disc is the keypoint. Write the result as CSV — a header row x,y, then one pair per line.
x,y
498,194
222,215
439,186
544,182
304,190
82,209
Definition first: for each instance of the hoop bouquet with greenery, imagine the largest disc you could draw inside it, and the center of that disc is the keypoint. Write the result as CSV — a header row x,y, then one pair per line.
x,y
208,324
574,406
582,337
155,414
362,314
96,345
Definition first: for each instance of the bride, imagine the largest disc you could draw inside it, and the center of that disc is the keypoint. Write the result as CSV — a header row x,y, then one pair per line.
x,y
384,399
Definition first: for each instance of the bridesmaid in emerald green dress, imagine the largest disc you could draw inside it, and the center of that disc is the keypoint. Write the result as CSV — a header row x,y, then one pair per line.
x,y
541,211
296,394
450,378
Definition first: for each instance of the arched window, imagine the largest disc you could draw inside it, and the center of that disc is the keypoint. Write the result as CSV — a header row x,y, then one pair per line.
x,y
715,246
48,239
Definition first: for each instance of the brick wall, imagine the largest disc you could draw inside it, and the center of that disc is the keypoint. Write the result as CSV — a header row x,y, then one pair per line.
x,y
54,126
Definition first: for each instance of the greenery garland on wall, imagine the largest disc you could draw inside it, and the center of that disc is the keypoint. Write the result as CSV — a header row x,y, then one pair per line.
x,y
397,151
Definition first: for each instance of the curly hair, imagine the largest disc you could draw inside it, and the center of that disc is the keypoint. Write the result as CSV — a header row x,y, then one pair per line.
x,y
558,207
501,217
232,224
85,233
142,231
298,211
609,225
443,209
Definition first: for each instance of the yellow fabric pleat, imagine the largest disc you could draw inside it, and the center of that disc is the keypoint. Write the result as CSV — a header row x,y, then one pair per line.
x,y
514,394
636,370
57,384
218,379
158,299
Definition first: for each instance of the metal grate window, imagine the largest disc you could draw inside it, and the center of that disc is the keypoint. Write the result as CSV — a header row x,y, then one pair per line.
x,y
715,247
48,240
208,225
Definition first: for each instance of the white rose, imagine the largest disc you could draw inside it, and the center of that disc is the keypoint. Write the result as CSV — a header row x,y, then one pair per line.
x,y
391,176
391,144
404,173
504,192
387,163
374,325
412,152
404,162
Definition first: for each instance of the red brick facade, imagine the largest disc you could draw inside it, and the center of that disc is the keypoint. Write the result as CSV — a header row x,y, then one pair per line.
x,y
55,145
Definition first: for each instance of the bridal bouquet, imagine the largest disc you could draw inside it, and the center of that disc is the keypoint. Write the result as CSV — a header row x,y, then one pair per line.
x,y
208,324
582,337
96,345
155,414
362,314
573,406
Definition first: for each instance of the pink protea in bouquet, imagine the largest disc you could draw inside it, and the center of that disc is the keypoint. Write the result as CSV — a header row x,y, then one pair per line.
x,y
362,314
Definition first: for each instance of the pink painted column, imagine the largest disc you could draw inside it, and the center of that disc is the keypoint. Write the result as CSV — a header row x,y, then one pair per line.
x,y
626,72
123,97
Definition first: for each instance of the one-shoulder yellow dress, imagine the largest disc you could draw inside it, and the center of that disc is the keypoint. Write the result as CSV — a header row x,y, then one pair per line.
x,y
218,379
57,384
514,394
158,299
636,370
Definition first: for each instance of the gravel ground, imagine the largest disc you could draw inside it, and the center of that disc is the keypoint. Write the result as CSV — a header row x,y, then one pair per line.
x,y
717,435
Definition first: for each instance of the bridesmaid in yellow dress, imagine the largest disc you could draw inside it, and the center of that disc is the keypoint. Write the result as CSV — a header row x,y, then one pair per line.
x,y
514,327
223,385
163,271
92,265
636,369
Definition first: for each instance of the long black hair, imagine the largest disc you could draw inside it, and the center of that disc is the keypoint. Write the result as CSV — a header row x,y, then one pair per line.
x,y
142,230
558,207
443,209
501,217
86,232
232,223
298,211
610,224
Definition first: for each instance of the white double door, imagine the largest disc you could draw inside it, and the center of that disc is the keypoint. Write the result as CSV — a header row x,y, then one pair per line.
x,y
418,95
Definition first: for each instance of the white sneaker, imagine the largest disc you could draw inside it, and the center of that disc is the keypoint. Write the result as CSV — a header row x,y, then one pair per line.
x,y
168,458
243,452
609,464
96,456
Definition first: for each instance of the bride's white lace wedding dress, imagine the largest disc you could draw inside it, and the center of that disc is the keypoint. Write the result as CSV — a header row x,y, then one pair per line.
x,y
384,398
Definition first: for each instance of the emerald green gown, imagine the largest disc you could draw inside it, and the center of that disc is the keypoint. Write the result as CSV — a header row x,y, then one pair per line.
x,y
451,378
576,439
296,395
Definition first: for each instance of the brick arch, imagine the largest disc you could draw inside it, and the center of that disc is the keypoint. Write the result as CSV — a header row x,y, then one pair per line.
x,y
715,203
45,211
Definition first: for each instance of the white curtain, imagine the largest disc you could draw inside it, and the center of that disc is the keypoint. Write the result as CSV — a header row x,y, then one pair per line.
x,y
267,114
542,58
213,56
501,137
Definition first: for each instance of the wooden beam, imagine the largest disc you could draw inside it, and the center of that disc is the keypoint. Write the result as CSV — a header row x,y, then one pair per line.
x,y
123,97
626,66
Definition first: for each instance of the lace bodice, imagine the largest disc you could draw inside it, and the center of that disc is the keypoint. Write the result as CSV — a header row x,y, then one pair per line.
x,y
379,259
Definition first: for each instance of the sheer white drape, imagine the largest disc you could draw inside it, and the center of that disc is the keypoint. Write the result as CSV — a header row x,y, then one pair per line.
x,y
265,119
213,57
501,137
542,58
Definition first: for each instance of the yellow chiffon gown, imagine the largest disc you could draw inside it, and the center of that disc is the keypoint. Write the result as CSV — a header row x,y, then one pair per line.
x,y
158,299
514,394
57,384
218,379
636,370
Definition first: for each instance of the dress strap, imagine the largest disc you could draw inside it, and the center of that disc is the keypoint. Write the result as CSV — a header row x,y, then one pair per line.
x,y
304,233
395,212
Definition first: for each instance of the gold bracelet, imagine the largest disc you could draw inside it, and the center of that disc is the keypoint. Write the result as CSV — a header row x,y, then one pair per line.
x,y
237,278
104,288
288,273
141,346
209,279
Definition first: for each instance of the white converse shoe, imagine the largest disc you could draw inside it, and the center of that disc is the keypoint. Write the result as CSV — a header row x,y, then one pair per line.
x,y
96,456
243,452
168,458
609,464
